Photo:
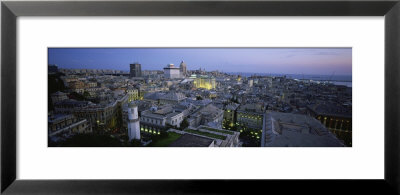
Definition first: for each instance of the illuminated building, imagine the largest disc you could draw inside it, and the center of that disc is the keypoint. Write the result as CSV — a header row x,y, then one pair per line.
x,y
156,119
229,121
250,117
239,80
203,81
133,94
336,118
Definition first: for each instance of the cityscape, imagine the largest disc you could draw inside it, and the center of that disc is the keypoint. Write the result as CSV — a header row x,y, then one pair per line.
x,y
199,97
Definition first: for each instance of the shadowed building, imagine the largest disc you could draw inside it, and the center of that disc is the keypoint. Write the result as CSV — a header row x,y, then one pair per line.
x,y
67,124
296,130
207,115
136,70
172,98
336,118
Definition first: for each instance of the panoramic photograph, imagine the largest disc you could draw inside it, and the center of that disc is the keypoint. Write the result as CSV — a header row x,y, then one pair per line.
x,y
200,97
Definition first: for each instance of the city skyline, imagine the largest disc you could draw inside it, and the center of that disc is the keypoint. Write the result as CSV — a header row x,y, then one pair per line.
x,y
313,61
112,101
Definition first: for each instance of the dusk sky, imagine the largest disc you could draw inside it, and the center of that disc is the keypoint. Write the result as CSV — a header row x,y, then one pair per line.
x,y
323,61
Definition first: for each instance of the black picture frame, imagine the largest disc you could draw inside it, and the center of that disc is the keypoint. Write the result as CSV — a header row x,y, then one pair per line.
x,y
11,10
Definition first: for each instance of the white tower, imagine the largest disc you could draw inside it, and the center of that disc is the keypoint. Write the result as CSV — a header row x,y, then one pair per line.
x,y
133,122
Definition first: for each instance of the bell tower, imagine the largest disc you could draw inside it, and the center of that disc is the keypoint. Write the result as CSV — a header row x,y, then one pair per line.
x,y
133,122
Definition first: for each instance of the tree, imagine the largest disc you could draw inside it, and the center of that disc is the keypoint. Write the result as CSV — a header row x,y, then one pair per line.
x,y
184,124
86,94
77,96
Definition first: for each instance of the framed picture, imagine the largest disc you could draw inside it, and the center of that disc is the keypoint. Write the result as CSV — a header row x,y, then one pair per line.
x,y
123,93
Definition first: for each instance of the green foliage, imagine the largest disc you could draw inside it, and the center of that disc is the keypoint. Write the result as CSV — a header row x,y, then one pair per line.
x,y
217,130
86,94
166,140
184,124
234,101
77,96
124,137
163,134
207,134
250,140
54,84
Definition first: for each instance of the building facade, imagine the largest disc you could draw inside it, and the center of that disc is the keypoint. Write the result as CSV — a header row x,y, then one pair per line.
x,y
60,124
204,82
135,70
58,97
133,94
229,121
172,72
250,117
156,119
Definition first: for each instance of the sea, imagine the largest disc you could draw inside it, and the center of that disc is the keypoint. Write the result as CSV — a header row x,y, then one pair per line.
x,y
345,80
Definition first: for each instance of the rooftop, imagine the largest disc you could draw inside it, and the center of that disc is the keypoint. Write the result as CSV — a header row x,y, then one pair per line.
x,y
252,107
175,96
296,130
189,140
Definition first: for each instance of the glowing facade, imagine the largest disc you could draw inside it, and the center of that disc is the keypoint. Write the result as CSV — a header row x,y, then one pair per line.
x,y
203,81
133,94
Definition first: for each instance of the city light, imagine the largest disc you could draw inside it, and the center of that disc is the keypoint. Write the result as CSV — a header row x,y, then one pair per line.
x,y
235,95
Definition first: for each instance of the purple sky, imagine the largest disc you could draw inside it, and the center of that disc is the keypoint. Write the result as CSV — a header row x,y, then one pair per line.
x,y
324,61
